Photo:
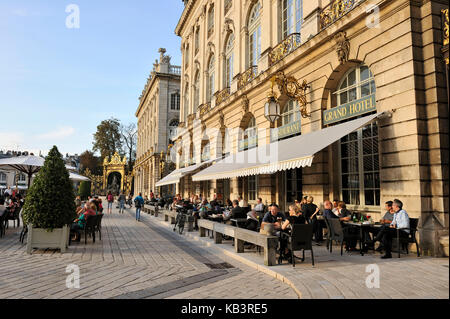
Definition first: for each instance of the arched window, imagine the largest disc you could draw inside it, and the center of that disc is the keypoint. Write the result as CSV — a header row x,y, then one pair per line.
x,y
292,16
211,79
211,21
226,143
186,102
196,92
206,152
358,151
254,31
250,136
173,128
229,57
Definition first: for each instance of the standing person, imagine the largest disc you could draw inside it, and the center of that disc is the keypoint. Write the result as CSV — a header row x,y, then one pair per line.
x,y
310,211
110,199
138,203
121,200
152,196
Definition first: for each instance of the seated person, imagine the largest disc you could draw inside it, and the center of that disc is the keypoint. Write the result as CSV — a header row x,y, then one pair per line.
x,y
344,214
295,217
236,212
272,217
80,222
400,221
252,221
260,207
385,221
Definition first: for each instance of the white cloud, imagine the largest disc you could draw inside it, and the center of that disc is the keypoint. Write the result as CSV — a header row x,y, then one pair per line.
x,y
58,134
11,140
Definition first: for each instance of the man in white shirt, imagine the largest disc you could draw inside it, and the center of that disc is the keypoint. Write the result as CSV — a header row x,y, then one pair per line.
x,y
400,222
242,202
8,192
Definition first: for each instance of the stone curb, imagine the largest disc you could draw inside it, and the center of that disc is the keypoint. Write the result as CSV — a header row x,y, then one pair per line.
x,y
261,268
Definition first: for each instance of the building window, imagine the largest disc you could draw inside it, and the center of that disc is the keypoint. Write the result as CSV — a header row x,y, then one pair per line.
x,y
175,102
359,153
292,17
211,21
294,185
227,5
186,102
252,187
173,128
226,143
2,177
197,40
250,139
254,28
290,113
206,152
229,56
211,79
196,92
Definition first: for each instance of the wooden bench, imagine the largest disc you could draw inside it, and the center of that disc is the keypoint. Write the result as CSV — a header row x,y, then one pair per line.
x,y
241,235
173,217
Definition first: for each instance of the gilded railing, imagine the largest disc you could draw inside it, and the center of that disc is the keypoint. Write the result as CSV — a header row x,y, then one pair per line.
x,y
222,95
283,49
247,76
334,11
205,108
445,25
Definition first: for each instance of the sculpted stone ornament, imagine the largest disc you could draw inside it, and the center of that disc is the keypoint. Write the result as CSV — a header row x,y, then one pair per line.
x,y
342,46
245,104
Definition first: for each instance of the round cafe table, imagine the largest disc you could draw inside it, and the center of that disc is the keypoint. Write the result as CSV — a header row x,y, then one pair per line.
x,y
363,228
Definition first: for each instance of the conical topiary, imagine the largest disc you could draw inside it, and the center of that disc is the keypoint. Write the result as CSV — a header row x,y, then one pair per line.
x,y
50,201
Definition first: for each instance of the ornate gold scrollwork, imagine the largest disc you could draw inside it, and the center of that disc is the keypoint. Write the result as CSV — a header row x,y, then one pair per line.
x,y
222,95
292,88
283,49
334,11
247,76
445,25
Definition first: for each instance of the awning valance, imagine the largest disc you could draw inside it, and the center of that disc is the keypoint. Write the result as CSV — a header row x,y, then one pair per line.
x,y
176,175
283,155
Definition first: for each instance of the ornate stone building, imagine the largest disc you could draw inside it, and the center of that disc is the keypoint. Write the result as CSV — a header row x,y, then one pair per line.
x,y
158,119
362,97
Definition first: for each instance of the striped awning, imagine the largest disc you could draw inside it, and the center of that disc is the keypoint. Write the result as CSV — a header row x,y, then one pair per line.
x,y
175,176
283,155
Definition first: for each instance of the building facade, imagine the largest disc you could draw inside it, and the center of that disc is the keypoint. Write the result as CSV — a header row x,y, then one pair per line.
x,y
158,119
329,63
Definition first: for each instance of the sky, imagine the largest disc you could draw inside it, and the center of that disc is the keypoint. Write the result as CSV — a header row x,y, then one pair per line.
x,y
58,82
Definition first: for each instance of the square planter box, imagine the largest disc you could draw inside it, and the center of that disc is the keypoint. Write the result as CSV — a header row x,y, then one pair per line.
x,y
43,239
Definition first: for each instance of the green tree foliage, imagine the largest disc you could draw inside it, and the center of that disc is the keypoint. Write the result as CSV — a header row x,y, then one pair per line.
x,y
50,201
107,139
89,160
85,190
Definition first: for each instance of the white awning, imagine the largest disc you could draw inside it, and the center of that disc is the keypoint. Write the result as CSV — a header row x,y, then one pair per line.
x,y
78,178
175,176
283,155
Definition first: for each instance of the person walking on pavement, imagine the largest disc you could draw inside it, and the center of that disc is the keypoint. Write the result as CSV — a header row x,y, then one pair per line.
x,y
138,203
110,199
121,200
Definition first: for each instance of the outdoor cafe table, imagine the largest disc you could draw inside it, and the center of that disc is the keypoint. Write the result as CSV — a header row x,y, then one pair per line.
x,y
363,228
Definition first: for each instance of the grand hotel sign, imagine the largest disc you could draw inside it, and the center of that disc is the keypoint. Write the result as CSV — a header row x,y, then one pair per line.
x,y
346,111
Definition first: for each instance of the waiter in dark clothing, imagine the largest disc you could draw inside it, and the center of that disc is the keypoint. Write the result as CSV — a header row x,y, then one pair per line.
x,y
310,211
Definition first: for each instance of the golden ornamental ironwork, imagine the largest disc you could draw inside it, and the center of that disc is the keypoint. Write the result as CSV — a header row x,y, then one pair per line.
x,y
445,25
222,95
284,48
334,11
205,108
248,76
289,86
115,160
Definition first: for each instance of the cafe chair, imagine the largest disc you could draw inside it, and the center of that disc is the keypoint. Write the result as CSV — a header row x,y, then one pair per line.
x,y
338,234
411,239
300,239
89,228
98,226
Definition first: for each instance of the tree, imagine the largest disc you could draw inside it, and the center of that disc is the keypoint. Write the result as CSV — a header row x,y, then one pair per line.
x,y
129,141
107,139
50,201
90,161
85,190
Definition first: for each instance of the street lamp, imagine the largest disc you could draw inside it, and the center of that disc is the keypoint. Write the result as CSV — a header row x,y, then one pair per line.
x,y
272,109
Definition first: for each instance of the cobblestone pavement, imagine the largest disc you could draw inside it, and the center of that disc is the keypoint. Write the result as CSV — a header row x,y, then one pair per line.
x,y
133,260
337,277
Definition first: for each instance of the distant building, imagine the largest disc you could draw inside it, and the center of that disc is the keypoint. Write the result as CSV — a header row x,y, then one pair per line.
x,y
158,119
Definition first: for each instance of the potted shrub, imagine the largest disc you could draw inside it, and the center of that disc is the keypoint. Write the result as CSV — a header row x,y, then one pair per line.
x,y
50,206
